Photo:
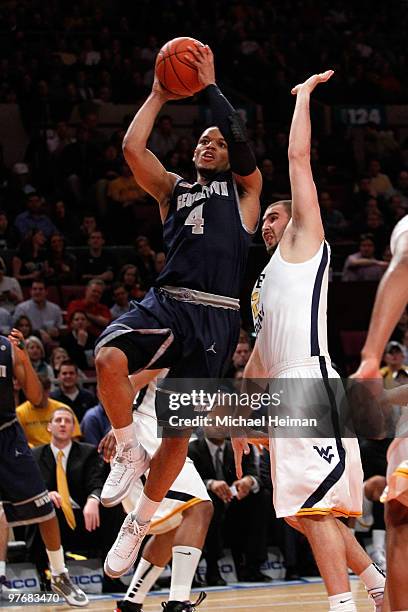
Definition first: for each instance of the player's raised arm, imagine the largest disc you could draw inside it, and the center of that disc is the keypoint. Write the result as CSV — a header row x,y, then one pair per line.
x,y
23,369
148,171
227,119
390,302
305,204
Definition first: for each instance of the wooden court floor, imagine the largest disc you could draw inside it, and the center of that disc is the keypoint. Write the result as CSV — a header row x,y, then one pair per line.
x,y
288,598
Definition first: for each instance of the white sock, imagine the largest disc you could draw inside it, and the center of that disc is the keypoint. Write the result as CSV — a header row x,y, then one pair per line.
x,y
374,581
2,568
124,435
144,578
184,565
342,603
56,560
145,509
379,539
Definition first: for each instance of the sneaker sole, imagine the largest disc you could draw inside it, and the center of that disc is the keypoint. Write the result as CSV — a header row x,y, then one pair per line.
x,y
59,592
111,573
109,502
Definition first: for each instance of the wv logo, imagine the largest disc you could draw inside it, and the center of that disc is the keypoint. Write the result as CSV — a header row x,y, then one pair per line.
x,y
325,453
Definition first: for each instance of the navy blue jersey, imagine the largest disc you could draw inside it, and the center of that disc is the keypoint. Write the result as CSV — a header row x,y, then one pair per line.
x,y
7,405
205,241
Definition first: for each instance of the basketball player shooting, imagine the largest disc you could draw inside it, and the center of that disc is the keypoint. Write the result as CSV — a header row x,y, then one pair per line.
x,y
390,302
190,321
311,490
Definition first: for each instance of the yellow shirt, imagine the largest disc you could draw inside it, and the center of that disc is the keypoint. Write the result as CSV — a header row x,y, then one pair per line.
x,y
125,189
392,379
34,421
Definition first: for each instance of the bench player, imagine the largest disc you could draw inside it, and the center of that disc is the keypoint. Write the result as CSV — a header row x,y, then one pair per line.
x,y
23,493
312,486
190,321
390,302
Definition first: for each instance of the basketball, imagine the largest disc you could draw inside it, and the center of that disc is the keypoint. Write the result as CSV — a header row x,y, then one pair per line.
x,y
173,69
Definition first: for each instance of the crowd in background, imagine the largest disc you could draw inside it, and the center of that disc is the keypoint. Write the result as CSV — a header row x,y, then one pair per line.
x,y
72,197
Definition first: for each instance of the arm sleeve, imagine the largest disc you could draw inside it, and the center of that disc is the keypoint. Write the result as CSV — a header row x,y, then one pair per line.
x,y
231,126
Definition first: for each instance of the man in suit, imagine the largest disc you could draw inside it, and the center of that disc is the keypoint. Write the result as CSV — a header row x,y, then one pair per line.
x,y
74,474
237,502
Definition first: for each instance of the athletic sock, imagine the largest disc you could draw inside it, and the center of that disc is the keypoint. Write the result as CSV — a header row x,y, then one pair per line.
x,y
343,602
374,581
184,565
56,561
2,568
144,578
378,539
124,435
145,509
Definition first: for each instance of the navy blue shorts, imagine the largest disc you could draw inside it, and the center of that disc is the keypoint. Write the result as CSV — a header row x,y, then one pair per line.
x,y
192,340
22,489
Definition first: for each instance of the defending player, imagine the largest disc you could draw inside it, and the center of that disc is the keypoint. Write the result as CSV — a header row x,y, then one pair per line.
x,y
315,480
22,490
179,525
190,321
390,303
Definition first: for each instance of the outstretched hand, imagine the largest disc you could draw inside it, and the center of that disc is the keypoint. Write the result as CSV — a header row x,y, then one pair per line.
x,y
312,81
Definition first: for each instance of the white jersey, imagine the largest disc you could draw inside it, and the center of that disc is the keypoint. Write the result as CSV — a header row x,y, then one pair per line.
x,y
399,229
289,307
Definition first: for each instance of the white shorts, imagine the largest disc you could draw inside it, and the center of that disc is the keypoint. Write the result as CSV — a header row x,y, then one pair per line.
x,y
315,475
397,472
186,491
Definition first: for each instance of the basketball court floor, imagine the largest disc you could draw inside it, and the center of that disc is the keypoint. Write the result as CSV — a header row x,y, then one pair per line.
x,y
289,597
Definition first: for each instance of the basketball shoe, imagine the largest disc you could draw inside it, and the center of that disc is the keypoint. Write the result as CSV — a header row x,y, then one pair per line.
x,y
124,551
183,606
63,586
129,463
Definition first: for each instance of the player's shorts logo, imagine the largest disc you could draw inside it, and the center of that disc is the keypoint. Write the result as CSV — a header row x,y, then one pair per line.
x,y
325,453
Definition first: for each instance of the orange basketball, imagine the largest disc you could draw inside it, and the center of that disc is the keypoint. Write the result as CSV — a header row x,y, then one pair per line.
x,y
173,69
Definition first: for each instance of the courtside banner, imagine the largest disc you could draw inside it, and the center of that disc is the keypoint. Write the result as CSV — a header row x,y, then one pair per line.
x,y
281,408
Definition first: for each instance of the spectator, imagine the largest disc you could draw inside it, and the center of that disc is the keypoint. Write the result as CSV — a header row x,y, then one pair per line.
x,y
214,460
10,290
35,419
378,181
86,228
85,525
65,222
79,342
159,262
30,262
98,314
241,355
129,276
121,299
145,260
58,356
24,325
97,263
76,164
44,315
363,265
69,392
127,206
395,370
36,352
6,322
33,218
163,139
401,191
61,265
95,424
8,235
333,220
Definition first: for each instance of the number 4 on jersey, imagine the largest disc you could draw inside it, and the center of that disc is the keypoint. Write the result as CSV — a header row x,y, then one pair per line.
x,y
196,220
